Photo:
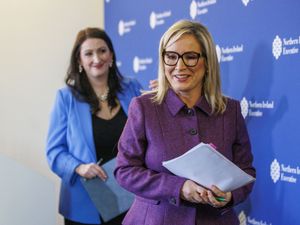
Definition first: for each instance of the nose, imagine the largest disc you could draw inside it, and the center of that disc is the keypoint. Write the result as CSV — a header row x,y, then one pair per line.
x,y
180,64
96,58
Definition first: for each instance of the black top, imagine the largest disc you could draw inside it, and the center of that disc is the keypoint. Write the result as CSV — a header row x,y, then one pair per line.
x,y
107,134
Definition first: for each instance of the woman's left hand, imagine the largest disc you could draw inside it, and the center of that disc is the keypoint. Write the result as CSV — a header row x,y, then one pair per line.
x,y
218,198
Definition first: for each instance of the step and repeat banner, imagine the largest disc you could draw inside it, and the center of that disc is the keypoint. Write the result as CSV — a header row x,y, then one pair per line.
x,y
258,46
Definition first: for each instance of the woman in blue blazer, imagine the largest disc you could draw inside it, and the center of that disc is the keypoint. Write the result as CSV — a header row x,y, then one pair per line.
x,y
86,122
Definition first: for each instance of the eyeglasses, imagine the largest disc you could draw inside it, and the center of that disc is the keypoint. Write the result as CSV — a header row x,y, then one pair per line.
x,y
190,59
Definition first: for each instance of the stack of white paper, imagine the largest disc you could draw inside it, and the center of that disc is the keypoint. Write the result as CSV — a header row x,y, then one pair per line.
x,y
206,166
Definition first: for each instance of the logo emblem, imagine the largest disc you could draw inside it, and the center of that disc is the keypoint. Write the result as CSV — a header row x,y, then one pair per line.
x,y
136,64
158,18
193,9
121,27
219,53
244,107
277,47
141,64
125,26
245,2
275,170
152,20
243,218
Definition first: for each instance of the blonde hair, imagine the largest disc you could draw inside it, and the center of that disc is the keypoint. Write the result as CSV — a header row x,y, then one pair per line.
x,y
211,81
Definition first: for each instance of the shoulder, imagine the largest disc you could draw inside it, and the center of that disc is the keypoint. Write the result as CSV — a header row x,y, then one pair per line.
x,y
144,101
64,95
130,82
146,98
231,101
142,107
232,106
65,91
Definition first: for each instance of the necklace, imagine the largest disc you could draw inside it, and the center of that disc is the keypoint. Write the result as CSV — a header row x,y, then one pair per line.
x,y
104,96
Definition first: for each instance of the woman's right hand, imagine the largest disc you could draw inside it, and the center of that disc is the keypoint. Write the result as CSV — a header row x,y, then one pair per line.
x,y
194,193
153,84
91,170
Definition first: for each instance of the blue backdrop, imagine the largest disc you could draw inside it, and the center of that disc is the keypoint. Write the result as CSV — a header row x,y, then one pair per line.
x,y
258,44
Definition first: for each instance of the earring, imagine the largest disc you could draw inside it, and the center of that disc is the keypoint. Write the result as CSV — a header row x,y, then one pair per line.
x,y
80,68
110,64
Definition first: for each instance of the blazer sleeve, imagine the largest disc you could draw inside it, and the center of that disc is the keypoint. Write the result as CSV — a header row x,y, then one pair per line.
x,y
131,171
242,156
59,158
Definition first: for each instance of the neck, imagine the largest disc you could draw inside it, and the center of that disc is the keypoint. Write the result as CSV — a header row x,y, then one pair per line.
x,y
101,89
99,85
190,98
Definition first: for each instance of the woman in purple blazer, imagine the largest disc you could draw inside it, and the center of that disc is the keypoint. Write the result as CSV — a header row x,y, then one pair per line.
x,y
187,108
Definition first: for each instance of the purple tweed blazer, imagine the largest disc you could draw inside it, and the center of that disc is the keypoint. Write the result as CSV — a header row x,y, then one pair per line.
x,y
155,133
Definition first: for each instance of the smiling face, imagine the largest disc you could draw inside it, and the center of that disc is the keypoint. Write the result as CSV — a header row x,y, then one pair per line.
x,y
185,80
95,58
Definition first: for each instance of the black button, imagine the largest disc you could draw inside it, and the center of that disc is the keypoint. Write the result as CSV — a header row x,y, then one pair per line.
x,y
190,112
193,131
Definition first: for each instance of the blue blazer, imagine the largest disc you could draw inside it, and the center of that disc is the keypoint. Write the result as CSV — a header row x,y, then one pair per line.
x,y
70,143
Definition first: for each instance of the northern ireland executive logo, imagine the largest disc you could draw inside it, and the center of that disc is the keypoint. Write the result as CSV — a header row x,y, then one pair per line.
x,y
285,46
227,53
157,19
140,64
245,220
125,26
200,7
284,172
255,108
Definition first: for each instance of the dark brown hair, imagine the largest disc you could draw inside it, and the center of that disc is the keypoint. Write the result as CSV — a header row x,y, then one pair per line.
x,y
79,83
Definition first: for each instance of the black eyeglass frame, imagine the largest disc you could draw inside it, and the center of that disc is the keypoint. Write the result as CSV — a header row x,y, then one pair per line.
x,y
199,55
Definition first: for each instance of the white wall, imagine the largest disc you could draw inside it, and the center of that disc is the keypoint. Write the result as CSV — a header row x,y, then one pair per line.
x,y
26,197
36,37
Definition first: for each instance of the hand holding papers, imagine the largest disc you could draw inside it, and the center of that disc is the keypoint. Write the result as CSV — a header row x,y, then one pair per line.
x,y
207,167
109,198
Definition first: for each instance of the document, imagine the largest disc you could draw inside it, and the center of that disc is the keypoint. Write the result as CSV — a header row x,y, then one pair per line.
x,y
109,198
206,166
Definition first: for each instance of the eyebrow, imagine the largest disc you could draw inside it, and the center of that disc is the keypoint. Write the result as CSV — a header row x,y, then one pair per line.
x,y
100,48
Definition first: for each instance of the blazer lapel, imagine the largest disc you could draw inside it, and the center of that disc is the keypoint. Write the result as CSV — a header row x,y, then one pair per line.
x,y
122,100
85,123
